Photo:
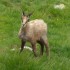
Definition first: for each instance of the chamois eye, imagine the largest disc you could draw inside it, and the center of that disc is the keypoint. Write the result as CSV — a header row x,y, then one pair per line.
x,y
23,24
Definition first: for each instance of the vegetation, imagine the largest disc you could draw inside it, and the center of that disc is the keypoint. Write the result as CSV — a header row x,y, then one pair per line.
x,y
58,22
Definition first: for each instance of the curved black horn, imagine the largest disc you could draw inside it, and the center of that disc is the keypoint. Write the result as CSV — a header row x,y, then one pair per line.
x,y
30,14
23,13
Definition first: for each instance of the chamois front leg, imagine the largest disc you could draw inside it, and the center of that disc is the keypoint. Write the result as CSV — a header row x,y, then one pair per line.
x,y
22,45
34,49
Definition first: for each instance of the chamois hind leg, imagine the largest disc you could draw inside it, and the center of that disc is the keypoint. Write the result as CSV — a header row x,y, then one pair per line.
x,y
22,45
46,45
42,47
34,49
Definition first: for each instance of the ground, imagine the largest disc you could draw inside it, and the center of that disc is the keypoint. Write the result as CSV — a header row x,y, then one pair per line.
x,y
58,21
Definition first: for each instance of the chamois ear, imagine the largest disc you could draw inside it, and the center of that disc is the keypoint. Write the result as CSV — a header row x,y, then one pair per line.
x,y
23,13
30,14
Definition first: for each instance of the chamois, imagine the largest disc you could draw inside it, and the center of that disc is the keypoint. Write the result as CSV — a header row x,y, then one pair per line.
x,y
34,31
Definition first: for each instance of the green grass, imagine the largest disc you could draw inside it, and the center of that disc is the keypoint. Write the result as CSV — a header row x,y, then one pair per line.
x,y
58,22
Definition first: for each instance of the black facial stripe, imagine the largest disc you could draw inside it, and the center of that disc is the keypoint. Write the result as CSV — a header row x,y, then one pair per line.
x,y
26,22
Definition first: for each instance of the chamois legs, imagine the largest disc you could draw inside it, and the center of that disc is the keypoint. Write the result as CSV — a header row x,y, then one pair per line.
x,y
22,45
34,49
42,47
45,41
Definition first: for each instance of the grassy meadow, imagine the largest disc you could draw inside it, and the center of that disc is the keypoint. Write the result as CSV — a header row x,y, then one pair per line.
x,y
58,21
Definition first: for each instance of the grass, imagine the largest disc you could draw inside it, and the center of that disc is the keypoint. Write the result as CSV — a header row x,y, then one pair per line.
x,y
58,22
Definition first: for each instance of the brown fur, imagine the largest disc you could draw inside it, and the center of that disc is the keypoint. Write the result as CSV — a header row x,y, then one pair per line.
x,y
35,32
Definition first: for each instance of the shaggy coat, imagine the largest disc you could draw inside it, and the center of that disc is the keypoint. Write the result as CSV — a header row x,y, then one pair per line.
x,y
34,31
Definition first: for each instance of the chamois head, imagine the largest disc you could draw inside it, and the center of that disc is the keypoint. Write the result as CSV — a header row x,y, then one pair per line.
x,y
25,18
